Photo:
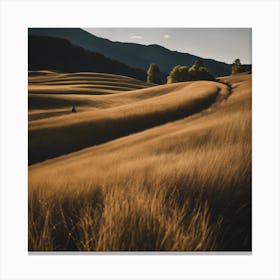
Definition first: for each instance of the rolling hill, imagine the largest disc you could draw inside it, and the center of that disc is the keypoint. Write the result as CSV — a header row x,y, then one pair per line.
x,y
54,93
162,168
134,55
136,110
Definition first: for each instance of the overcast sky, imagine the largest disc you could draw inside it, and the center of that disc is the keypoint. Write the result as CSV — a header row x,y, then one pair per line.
x,y
223,44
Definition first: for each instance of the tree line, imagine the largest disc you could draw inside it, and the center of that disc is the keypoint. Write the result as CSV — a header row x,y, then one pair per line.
x,y
181,73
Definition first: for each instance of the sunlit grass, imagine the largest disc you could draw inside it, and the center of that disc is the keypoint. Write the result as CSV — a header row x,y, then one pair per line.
x,y
182,186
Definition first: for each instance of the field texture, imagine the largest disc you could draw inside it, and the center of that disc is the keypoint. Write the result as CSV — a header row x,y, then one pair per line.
x,y
139,167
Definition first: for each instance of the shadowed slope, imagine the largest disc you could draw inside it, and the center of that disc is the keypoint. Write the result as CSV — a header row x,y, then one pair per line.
x,y
149,107
61,55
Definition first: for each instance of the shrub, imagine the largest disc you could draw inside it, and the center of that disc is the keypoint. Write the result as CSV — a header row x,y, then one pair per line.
x,y
182,73
178,74
199,72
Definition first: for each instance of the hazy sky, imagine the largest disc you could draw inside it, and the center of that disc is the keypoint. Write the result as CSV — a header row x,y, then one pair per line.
x,y
223,44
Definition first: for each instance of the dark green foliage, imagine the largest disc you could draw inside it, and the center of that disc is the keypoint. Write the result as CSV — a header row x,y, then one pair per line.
x,y
153,75
182,73
204,74
198,64
178,74
236,67
199,72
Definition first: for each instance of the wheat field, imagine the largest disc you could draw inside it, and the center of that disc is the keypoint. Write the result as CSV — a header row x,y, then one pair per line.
x,y
140,167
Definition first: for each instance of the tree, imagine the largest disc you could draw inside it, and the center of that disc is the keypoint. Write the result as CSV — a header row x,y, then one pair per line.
x,y
153,75
199,72
184,74
198,64
236,67
174,75
237,61
204,74
178,74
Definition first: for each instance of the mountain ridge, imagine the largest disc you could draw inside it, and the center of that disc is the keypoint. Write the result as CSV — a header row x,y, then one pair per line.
x,y
52,53
133,54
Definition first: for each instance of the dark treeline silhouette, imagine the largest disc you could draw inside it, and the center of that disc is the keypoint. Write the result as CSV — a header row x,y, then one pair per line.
x,y
59,54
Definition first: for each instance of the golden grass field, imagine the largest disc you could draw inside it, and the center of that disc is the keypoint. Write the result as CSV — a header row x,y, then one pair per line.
x,y
139,167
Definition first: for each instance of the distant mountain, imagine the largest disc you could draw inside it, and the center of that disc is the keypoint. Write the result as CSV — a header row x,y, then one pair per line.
x,y
247,67
134,55
59,54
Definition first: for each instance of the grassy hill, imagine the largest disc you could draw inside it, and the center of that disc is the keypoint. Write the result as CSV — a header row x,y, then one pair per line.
x,y
173,175
103,118
53,93
51,82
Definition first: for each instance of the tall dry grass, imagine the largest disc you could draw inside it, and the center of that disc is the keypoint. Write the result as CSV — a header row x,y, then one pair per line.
x,y
51,137
80,83
183,186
